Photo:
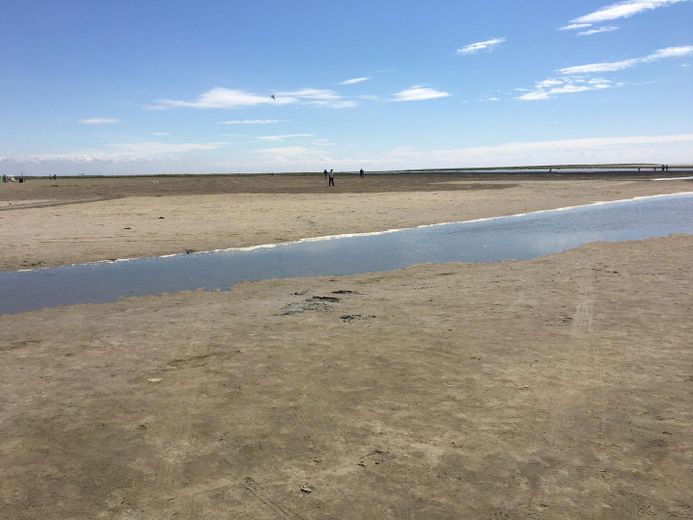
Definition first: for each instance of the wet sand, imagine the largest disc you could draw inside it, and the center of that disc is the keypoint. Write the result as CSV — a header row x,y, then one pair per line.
x,y
553,388
48,223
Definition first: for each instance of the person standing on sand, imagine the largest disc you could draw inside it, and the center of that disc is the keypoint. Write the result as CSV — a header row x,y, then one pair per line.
x,y
325,172
361,174
330,182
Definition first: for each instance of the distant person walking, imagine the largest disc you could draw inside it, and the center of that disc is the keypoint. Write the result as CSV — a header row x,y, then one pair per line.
x,y
330,176
325,172
361,174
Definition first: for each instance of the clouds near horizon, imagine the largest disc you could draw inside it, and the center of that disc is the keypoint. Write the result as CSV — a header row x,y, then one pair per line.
x,y
121,158
119,152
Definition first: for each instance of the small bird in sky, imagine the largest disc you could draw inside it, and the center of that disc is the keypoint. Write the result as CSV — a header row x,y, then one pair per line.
x,y
272,96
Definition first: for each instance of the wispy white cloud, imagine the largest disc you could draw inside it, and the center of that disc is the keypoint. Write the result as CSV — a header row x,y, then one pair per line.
x,y
249,122
552,87
158,134
617,11
613,66
670,52
624,9
346,103
598,30
121,152
219,97
419,93
282,137
574,26
577,78
317,97
354,81
309,94
99,121
486,45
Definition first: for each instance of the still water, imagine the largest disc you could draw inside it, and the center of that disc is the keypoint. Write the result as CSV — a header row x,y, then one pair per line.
x,y
491,240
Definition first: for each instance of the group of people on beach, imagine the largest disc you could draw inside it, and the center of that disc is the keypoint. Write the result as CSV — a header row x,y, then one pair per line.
x,y
664,167
330,175
11,178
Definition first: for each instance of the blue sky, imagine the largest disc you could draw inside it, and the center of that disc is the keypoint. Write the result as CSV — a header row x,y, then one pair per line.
x,y
180,86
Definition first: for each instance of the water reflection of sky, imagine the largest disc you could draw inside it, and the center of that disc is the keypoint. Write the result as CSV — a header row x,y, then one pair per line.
x,y
520,237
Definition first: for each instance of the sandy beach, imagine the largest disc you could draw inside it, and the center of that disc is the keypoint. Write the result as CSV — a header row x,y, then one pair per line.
x,y
553,388
48,223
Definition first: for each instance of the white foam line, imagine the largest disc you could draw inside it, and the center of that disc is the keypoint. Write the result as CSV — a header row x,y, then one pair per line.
x,y
673,178
423,226
367,234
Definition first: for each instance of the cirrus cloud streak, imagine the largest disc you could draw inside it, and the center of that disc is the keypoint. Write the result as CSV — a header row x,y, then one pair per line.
x,y
483,46
249,122
419,93
354,81
553,87
99,121
224,98
284,137
612,66
616,11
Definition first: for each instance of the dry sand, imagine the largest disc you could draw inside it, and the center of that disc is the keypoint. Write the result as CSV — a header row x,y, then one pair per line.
x,y
45,223
553,388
